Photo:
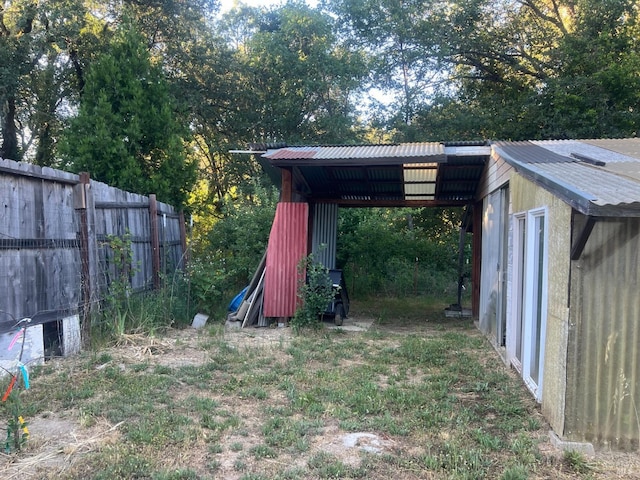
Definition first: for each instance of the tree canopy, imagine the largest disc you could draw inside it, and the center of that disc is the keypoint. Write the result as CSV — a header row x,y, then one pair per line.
x,y
189,84
125,132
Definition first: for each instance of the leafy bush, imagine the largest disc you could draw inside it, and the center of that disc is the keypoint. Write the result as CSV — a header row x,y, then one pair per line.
x,y
377,249
315,292
400,252
225,258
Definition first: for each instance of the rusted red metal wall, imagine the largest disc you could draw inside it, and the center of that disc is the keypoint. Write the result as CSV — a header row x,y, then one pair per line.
x,y
287,245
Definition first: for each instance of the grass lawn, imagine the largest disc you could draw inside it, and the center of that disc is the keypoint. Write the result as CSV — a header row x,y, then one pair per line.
x,y
417,396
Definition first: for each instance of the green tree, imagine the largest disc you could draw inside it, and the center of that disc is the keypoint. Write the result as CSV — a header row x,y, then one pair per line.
x,y
403,39
300,79
541,69
17,59
503,69
399,251
126,133
44,49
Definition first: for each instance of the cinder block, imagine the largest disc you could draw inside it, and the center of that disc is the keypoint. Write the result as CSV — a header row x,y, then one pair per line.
x,y
200,320
71,342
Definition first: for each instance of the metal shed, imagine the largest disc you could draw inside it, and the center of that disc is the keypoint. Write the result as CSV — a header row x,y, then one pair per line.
x,y
571,309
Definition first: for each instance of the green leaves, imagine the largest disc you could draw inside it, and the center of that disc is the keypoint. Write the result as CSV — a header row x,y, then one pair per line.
x,y
315,292
125,133
299,76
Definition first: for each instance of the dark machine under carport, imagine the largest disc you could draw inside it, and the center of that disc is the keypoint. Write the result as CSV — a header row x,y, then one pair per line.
x,y
338,308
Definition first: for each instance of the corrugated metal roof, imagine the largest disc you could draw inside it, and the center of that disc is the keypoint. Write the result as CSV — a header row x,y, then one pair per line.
x,y
592,190
381,173
401,153
287,245
602,187
624,146
582,147
528,152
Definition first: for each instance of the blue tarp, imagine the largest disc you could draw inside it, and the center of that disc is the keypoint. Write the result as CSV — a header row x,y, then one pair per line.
x,y
237,300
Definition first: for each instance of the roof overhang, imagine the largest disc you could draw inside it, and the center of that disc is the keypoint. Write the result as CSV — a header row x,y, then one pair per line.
x,y
591,189
411,175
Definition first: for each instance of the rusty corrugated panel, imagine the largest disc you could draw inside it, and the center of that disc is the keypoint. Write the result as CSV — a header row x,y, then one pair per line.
x,y
287,245
325,234
292,153
603,364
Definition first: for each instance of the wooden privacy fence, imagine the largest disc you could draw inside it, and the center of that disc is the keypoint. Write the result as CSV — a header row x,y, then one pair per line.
x,y
57,243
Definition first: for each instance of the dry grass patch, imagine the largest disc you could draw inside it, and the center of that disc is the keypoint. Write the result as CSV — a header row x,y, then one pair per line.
x,y
429,401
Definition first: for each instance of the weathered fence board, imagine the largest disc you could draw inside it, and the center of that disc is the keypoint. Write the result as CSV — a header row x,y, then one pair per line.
x,y
56,242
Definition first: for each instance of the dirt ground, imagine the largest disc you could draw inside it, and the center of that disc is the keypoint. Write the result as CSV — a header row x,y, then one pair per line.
x,y
58,440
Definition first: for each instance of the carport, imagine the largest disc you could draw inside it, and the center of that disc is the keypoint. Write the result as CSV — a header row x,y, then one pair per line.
x,y
317,180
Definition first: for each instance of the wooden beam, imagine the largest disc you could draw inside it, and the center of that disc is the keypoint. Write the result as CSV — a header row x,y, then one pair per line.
x,y
155,240
286,189
392,203
581,242
183,240
85,258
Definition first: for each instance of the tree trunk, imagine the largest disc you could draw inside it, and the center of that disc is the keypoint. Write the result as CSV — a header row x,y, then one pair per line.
x,y
9,149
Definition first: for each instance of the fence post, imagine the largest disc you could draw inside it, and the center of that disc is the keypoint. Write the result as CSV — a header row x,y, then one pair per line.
x,y
183,241
84,204
155,240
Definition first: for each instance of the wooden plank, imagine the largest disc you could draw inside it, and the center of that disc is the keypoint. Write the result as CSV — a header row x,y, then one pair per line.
x,y
87,279
17,169
155,240
256,300
48,262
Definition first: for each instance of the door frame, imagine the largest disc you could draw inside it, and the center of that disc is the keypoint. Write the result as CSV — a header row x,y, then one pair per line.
x,y
529,299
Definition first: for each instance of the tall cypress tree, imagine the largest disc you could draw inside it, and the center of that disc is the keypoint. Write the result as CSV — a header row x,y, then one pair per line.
x,y
126,133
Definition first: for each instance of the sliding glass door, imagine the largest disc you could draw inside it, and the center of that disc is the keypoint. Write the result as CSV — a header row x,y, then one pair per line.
x,y
529,298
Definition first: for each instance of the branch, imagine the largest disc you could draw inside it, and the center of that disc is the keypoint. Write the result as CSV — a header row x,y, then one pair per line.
x,y
474,59
557,21
3,28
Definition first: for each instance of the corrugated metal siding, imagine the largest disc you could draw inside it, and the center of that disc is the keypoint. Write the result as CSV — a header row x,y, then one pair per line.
x,y
287,245
324,234
603,364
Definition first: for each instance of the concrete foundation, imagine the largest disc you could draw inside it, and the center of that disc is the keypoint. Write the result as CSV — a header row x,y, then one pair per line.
x,y
585,448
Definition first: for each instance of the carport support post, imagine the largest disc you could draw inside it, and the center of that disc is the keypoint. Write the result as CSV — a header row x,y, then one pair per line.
x,y
286,188
476,260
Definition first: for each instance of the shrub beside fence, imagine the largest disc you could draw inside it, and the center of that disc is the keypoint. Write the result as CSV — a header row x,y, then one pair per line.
x,y
59,237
